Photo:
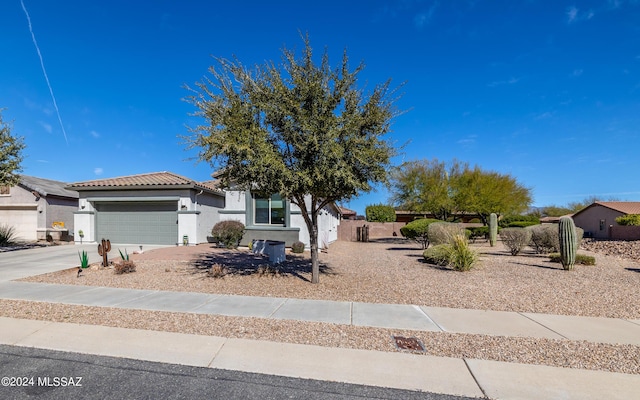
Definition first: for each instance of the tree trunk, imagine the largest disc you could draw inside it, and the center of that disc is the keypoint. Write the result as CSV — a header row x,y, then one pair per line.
x,y
311,219
313,238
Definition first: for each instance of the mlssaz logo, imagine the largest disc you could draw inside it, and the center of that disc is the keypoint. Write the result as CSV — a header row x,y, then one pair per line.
x,y
57,381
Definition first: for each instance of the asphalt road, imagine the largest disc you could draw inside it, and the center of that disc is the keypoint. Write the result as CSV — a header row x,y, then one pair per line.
x,y
50,374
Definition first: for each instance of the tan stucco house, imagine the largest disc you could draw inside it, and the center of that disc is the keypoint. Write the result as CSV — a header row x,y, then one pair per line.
x,y
38,208
599,218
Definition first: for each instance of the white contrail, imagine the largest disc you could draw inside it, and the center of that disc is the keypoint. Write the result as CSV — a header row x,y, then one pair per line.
x,y
44,71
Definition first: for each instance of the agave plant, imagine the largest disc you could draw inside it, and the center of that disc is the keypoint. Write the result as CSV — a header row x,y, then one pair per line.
x,y
84,259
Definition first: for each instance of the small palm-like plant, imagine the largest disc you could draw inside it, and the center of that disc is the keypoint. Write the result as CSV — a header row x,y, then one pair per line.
x,y
125,256
84,259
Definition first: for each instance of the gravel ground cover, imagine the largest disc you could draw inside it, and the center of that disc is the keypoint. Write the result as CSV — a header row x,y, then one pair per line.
x,y
392,272
385,271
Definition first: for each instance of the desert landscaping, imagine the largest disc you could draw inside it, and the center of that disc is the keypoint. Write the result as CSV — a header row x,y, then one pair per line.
x,y
383,271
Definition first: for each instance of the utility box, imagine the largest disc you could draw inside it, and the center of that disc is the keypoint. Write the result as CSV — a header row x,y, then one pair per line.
x,y
273,248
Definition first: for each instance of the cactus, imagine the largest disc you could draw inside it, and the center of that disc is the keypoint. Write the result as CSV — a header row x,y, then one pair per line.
x,y
493,229
103,249
568,242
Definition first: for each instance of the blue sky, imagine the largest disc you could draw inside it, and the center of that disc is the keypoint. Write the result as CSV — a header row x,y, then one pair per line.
x,y
547,91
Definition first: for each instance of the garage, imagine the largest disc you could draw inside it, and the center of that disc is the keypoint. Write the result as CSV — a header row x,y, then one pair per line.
x,y
23,218
155,208
137,222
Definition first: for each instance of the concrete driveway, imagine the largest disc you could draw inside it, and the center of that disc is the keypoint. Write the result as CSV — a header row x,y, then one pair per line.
x,y
41,260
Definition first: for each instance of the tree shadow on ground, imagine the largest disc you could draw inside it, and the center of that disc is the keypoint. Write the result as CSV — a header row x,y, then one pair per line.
x,y
405,248
435,266
414,255
245,263
391,240
539,266
633,269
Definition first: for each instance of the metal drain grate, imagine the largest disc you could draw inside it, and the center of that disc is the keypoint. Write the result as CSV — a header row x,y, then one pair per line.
x,y
408,343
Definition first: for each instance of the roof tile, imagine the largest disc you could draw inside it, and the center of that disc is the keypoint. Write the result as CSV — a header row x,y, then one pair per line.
x,y
153,179
627,207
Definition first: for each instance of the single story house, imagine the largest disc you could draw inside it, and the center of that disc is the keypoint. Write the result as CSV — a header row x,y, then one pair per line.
x,y
165,208
599,218
348,214
38,208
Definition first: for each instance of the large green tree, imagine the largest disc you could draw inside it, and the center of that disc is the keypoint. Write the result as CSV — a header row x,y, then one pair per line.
x,y
425,186
300,129
446,189
10,155
486,192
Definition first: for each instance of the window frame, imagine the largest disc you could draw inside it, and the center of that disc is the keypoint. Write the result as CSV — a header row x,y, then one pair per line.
x,y
270,210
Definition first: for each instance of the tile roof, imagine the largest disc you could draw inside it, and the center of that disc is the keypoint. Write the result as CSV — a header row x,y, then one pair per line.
x,y
626,207
47,187
346,211
152,180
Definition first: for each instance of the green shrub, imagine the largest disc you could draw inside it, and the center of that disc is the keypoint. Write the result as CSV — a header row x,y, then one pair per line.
x,y
580,259
629,220
438,255
297,247
7,235
518,221
457,254
476,232
544,238
522,224
515,239
380,213
418,230
228,233
443,232
461,257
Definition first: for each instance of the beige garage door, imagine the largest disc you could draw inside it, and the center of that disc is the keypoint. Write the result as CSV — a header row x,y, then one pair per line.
x,y
23,218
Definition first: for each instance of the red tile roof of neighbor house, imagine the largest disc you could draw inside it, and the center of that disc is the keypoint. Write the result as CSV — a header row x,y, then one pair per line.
x,y
154,180
346,211
625,207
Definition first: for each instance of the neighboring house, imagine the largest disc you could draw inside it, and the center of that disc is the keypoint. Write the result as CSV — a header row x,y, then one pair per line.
x,y
35,205
163,208
348,214
597,218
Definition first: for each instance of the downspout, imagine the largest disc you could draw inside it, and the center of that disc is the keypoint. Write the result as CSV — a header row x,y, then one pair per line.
x,y
196,200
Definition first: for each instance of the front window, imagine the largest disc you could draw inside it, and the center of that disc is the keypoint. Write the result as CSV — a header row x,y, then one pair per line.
x,y
269,210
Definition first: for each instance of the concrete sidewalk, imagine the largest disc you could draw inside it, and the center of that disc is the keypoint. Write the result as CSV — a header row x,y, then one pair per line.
x,y
393,316
461,377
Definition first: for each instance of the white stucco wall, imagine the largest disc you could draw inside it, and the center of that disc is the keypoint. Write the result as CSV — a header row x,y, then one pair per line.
x,y
209,206
188,226
235,200
234,207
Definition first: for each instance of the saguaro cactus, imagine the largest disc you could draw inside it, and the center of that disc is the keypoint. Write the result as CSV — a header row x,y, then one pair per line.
x,y
568,242
103,249
493,229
